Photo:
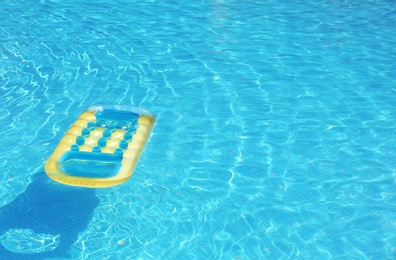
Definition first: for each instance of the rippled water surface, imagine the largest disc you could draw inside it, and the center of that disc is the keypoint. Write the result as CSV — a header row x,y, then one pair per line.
x,y
275,139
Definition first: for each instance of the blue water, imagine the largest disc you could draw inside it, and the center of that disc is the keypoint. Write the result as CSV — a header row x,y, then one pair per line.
x,y
275,139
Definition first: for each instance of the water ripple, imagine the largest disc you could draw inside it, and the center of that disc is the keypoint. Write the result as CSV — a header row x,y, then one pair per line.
x,y
275,131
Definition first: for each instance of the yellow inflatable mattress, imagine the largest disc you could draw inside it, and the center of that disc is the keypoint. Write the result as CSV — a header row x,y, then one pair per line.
x,y
102,147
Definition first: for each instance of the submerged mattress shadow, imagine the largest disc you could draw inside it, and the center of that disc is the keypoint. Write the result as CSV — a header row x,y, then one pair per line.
x,y
45,220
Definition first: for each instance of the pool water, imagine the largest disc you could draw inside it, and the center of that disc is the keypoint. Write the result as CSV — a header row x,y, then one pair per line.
x,y
275,135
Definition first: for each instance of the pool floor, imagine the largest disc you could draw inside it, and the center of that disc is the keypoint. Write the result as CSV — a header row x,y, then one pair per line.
x,y
275,134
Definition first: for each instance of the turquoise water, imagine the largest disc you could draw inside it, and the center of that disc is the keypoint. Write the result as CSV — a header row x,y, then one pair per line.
x,y
275,136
